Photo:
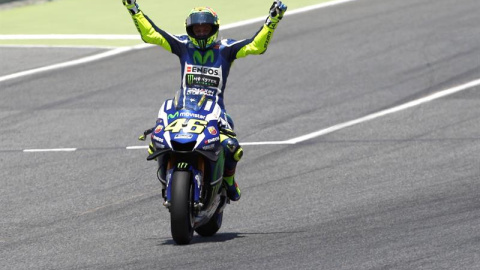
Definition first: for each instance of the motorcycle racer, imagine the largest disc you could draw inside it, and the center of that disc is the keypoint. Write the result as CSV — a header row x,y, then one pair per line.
x,y
205,65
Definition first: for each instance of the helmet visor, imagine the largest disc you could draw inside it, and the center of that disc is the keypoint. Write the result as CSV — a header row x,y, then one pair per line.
x,y
201,18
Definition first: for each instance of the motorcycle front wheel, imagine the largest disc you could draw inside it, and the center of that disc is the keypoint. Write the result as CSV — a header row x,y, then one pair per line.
x,y
181,208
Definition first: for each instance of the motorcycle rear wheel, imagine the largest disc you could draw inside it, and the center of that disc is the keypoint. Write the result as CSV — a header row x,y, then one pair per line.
x,y
212,226
181,209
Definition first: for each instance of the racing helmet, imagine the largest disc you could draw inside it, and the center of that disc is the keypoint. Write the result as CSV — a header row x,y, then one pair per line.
x,y
199,16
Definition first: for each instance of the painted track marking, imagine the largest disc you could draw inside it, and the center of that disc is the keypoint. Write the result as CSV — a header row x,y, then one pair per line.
x,y
363,119
50,150
71,63
328,130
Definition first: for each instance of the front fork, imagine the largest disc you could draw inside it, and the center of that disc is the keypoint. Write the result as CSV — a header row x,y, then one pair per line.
x,y
197,177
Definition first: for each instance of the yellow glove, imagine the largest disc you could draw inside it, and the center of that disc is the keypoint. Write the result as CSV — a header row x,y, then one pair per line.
x,y
131,5
276,14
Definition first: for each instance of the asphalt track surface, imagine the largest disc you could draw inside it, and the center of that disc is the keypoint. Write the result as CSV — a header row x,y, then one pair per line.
x,y
397,192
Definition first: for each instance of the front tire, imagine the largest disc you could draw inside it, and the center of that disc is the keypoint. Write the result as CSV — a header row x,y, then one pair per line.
x,y
181,208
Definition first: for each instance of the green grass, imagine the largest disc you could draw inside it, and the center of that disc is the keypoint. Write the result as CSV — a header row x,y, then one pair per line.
x,y
110,17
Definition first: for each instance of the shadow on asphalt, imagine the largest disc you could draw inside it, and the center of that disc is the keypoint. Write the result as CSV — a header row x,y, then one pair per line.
x,y
219,237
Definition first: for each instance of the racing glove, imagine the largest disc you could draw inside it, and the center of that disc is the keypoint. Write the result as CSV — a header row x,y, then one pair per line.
x,y
276,14
131,5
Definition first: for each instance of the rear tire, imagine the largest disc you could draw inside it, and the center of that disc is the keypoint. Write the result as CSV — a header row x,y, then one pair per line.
x,y
212,226
181,208
215,223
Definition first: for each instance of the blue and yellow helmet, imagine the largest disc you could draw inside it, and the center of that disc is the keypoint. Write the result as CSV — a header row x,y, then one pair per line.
x,y
202,15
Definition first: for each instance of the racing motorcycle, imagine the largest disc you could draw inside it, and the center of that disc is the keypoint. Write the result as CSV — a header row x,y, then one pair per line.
x,y
186,140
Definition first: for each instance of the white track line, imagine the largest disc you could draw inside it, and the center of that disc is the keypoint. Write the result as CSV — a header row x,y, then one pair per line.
x,y
72,63
58,46
137,147
70,37
334,128
50,150
372,116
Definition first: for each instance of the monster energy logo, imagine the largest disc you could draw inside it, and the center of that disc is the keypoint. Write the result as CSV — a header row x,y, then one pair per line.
x,y
190,79
182,165
170,116
202,60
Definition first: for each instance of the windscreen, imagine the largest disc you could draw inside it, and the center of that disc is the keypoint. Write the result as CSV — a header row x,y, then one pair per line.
x,y
191,102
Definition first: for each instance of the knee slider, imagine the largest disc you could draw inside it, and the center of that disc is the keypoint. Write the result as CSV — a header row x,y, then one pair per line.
x,y
235,149
238,154
232,144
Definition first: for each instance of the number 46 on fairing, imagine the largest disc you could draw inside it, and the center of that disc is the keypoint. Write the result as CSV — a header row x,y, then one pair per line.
x,y
190,126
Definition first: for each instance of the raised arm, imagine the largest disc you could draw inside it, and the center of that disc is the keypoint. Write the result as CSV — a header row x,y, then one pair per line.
x,y
149,32
259,43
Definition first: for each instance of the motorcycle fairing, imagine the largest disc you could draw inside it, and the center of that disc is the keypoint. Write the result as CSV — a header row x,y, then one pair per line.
x,y
188,139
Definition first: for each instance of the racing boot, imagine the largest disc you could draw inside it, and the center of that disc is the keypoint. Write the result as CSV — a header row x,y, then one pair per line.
x,y
233,191
233,154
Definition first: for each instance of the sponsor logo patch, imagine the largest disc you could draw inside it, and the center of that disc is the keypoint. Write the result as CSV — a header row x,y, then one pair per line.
x,y
203,70
158,139
183,136
200,92
190,115
171,116
208,147
212,140
212,130
202,76
158,128
202,80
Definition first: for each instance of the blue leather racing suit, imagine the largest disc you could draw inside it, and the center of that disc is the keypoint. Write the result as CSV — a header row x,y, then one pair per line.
x,y
203,72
